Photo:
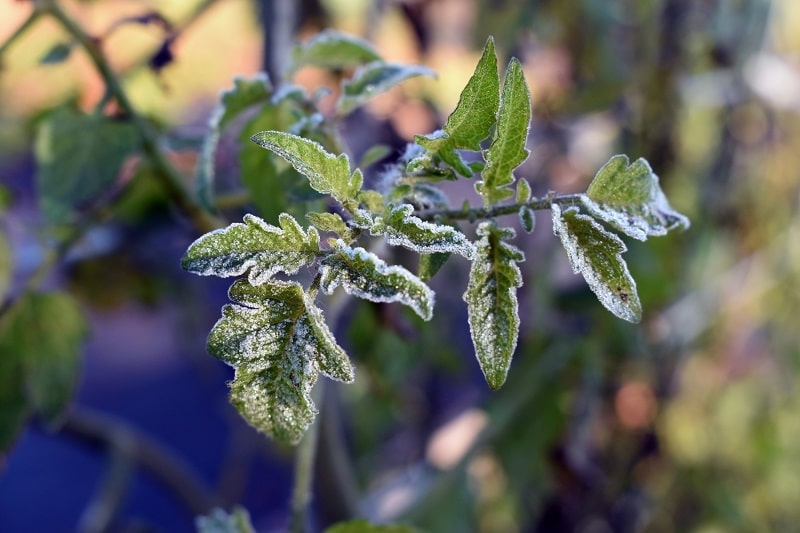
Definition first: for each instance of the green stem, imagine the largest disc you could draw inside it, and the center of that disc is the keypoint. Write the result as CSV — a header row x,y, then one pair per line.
x,y
482,213
304,471
171,179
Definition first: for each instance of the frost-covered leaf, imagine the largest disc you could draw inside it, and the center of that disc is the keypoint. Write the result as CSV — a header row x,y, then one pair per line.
x,y
527,218
372,199
629,198
523,193
375,78
219,521
596,253
244,94
420,194
79,157
43,332
400,227
58,53
365,275
330,222
327,173
472,118
332,49
254,245
491,297
278,342
507,150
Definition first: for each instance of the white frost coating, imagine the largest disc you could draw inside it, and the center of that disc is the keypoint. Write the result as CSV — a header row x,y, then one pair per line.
x,y
595,248
365,275
491,298
332,359
653,219
401,228
254,246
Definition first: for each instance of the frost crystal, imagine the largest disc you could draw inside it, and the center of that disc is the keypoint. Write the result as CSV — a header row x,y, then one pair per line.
x,y
491,298
595,253
278,342
365,275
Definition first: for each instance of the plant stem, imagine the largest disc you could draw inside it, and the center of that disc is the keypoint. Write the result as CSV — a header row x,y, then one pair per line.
x,y
171,179
482,213
304,471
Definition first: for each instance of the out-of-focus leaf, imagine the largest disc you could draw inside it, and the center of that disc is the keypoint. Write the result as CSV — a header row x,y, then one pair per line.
x,y
507,150
254,246
6,265
219,521
14,407
78,157
527,218
278,342
401,228
629,198
58,53
363,526
491,297
327,173
375,78
44,332
471,120
365,275
430,264
374,154
332,49
596,253
244,94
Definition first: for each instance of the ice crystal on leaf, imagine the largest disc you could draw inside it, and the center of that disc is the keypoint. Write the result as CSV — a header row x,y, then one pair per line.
x,y
629,198
365,275
254,245
278,342
491,298
596,253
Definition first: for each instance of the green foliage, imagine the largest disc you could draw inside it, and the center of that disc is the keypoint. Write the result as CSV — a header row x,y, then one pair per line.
x,y
254,246
58,53
596,253
471,120
277,340
78,157
6,265
40,339
375,78
219,521
363,526
507,150
331,49
491,298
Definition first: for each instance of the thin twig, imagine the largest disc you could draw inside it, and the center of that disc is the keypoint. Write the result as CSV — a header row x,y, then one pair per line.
x,y
482,213
304,471
109,432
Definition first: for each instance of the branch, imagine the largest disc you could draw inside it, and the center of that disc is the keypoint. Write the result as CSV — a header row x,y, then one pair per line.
x,y
170,178
482,213
120,437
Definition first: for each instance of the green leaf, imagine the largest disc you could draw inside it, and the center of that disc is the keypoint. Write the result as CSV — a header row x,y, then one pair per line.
x,y
472,118
278,342
327,173
254,246
375,78
629,198
6,265
330,222
244,94
491,297
78,157
331,49
44,332
595,253
430,264
14,409
507,150
58,53
218,521
527,218
374,154
365,275
364,526
523,193
400,227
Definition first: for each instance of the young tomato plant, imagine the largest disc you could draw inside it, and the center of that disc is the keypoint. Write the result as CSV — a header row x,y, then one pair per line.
x,y
274,333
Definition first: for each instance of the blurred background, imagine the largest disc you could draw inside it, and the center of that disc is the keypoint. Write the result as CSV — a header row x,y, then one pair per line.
x,y
686,422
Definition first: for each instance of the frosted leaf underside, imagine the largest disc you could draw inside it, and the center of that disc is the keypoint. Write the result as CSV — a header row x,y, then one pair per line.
x,y
278,342
254,246
365,275
596,253
401,228
491,299
629,198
